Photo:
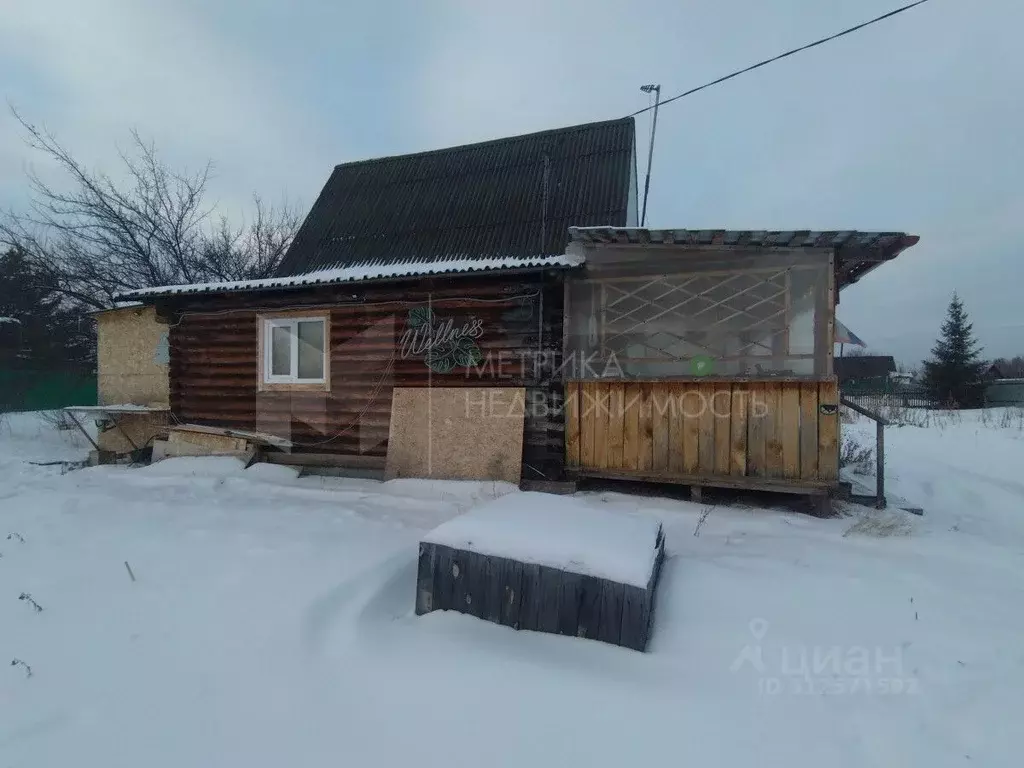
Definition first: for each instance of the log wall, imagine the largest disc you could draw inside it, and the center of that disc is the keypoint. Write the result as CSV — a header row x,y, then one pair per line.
x,y
214,361
745,434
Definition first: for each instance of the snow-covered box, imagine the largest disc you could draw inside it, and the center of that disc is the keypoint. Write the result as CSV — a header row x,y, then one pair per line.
x,y
546,563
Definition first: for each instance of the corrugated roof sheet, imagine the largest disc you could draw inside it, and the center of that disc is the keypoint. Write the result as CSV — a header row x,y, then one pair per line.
x,y
509,197
863,367
858,252
363,272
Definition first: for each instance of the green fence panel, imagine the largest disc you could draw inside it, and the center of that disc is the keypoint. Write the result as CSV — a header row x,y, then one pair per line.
x,y
43,391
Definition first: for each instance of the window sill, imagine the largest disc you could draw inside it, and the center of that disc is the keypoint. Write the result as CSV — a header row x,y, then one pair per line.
x,y
294,386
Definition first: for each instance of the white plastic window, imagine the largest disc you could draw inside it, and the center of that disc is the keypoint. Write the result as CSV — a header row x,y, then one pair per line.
x,y
294,350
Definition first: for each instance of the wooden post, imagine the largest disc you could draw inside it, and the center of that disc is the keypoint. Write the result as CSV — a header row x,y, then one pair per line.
x,y
82,430
879,465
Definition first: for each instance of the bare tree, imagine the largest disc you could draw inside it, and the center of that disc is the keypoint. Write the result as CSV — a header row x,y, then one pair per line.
x,y
99,237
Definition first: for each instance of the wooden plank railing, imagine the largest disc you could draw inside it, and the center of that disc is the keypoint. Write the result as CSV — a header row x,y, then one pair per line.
x,y
713,432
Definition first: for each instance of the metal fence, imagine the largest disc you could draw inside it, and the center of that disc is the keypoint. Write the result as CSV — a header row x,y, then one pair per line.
x,y
28,390
903,398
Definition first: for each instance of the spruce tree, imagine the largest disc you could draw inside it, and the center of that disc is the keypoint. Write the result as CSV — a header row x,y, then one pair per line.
x,y
48,335
953,376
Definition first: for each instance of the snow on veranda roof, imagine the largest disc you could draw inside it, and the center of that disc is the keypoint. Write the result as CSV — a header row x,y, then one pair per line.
x,y
363,273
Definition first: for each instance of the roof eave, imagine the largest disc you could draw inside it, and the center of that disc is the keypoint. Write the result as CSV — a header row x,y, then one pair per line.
x,y
150,297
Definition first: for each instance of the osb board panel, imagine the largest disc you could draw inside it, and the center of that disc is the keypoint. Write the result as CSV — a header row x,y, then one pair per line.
x,y
206,442
132,357
456,433
140,427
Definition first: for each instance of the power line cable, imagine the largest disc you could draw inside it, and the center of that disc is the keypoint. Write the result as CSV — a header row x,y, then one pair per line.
x,y
792,52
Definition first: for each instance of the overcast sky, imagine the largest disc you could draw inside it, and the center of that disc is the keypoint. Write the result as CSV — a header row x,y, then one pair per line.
x,y
914,124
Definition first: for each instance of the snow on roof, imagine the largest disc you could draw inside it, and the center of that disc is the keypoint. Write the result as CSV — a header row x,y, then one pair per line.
x,y
117,408
364,272
558,532
9,321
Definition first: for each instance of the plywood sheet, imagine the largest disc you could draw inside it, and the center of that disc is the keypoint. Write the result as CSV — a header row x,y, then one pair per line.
x,y
456,433
131,356
141,428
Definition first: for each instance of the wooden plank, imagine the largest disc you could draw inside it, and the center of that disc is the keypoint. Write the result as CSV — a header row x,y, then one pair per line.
x,y
706,441
529,597
443,582
738,431
691,406
610,629
748,482
674,394
475,592
588,418
600,421
511,577
570,589
634,631
809,431
549,598
645,453
589,607
661,406
460,578
828,432
790,430
341,460
631,427
757,411
425,580
493,567
572,424
773,430
616,401
721,405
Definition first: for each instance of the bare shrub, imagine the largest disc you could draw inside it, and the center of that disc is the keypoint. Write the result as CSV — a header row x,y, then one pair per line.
x,y
904,416
59,420
702,519
98,235
860,459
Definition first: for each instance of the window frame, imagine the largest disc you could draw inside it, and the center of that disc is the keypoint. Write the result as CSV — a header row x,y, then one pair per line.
x,y
270,381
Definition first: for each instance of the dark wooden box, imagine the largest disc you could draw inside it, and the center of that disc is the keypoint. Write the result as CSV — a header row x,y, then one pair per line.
x,y
529,596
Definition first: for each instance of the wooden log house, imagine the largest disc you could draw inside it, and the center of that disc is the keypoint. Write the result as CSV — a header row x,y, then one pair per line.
x,y
438,269
694,357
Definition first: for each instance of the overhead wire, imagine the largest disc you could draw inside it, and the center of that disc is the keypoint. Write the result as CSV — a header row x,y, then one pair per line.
x,y
788,53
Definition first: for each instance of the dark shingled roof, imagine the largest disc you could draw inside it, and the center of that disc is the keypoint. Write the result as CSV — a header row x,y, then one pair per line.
x,y
474,201
863,367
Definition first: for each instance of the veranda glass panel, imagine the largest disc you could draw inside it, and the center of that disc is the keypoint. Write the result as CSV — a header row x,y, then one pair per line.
x,y
311,349
718,315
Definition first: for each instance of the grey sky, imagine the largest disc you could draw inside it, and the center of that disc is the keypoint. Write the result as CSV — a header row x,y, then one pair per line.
x,y
914,124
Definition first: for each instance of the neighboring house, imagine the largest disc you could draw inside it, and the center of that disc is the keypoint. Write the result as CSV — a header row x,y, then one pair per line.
x,y
493,311
865,373
994,372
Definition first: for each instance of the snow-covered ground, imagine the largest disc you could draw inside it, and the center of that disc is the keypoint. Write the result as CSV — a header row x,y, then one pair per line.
x,y
270,623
